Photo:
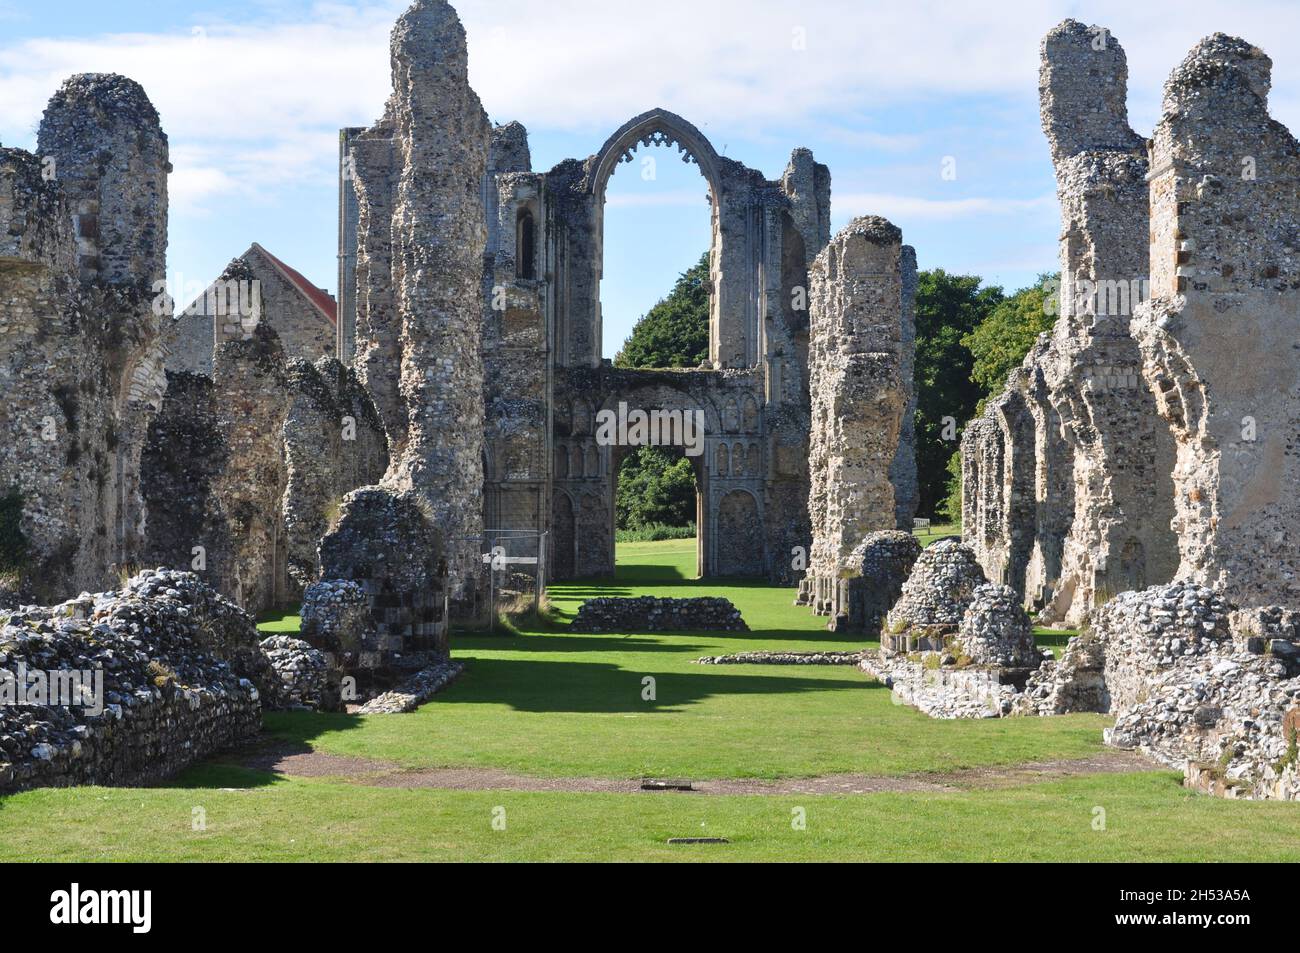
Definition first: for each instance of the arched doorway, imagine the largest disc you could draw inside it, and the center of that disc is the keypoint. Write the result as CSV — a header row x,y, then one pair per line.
x,y
679,414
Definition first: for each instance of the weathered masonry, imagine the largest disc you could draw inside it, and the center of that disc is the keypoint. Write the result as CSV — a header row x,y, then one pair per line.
x,y
83,236
860,366
1067,494
1220,337
301,314
543,381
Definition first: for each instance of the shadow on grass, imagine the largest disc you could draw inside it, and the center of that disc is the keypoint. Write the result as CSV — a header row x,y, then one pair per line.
x,y
593,687
219,772
546,641
574,687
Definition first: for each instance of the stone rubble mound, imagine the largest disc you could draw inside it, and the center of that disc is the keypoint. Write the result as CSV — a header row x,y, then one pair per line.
x,y
304,674
1074,683
336,613
876,570
996,631
182,674
650,614
782,658
415,690
1202,686
935,597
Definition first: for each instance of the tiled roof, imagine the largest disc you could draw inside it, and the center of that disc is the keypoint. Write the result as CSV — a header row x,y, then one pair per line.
x,y
322,299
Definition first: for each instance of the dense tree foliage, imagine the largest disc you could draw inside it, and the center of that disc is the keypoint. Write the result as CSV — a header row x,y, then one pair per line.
x,y
655,488
998,344
948,308
675,332
1002,340
968,337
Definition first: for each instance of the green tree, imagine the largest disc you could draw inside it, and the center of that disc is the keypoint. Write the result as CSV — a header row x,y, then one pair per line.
x,y
948,308
675,332
1000,342
654,488
997,344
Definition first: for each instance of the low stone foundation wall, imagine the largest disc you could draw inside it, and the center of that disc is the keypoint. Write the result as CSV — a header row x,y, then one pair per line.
x,y
304,674
648,614
783,658
414,691
175,664
945,691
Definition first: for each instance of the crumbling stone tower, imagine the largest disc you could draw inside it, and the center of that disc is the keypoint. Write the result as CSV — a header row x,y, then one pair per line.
x,y
419,174
857,365
1117,455
1220,337
1121,538
87,220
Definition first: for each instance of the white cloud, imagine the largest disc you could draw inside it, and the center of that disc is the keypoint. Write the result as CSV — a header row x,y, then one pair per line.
x,y
246,107
252,107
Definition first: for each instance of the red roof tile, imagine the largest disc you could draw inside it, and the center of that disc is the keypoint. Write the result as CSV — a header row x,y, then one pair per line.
x,y
322,299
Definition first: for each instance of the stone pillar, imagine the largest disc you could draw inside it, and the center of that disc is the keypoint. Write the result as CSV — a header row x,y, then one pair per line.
x,y
859,395
422,359
95,355
111,158
902,473
1120,537
1220,338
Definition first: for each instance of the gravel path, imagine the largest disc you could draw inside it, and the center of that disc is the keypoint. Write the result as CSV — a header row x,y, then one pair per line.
x,y
299,762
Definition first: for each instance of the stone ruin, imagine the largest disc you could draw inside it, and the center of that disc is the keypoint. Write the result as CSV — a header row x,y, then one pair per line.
x,y
302,315
1192,681
860,356
1149,437
1139,472
245,470
651,614
83,234
1220,336
420,237
871,580
381,607
954,644
534,354
182,677
1066,490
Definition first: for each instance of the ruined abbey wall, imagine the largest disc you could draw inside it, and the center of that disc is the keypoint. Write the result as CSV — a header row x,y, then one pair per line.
x,y
544,382
86,235
857,362
1084,379
419,177
245,470
1220,338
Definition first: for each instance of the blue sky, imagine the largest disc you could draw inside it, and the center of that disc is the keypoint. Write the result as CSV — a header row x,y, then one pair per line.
x,y
252,92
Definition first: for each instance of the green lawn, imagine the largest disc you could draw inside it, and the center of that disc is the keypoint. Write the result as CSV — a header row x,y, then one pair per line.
x,y
545,702
1148,817
938,531
553,703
